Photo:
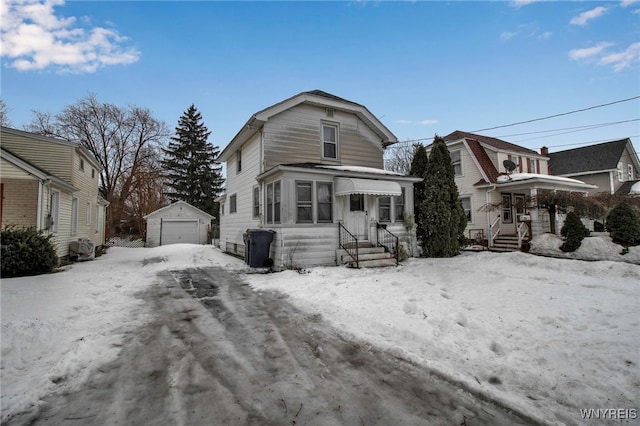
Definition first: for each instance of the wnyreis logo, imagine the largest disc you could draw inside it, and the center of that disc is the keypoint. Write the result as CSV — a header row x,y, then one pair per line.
x,y
609,413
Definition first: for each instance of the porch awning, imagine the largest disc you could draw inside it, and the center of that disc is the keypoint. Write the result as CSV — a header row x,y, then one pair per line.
x,y
385,188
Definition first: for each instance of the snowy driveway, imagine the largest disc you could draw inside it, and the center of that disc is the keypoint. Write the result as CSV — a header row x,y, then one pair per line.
x,y
232,356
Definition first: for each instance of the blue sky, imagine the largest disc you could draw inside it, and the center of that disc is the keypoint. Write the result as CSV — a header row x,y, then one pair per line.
x,y
422,67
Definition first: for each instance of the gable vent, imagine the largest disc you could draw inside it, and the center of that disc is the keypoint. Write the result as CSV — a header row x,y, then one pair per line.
x,y
330,112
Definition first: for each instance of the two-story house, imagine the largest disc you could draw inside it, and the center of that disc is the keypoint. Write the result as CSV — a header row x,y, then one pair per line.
x,y
495,178
310,168
611,166
52,185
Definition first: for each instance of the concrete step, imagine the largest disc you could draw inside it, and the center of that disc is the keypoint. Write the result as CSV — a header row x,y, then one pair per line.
x,y
377,263
344,257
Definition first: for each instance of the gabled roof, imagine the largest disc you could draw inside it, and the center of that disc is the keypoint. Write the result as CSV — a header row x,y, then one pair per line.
x,y
313,97
483,160
179,202
592,158
496,143
626,188
33,170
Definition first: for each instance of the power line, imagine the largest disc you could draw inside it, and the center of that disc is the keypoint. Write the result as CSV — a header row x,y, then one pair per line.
x,y
556,115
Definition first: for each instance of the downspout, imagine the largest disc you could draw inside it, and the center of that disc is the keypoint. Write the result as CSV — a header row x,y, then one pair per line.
x,y
489,220
611,186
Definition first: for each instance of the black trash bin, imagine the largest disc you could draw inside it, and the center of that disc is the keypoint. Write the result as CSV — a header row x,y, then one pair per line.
x,y
258,247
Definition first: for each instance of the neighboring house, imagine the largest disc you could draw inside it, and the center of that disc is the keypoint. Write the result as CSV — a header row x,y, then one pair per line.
x,y
52,185
612,166
307,168
179,222
493,197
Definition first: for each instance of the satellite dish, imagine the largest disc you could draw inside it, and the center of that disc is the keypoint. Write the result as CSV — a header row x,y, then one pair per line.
x,y
509,165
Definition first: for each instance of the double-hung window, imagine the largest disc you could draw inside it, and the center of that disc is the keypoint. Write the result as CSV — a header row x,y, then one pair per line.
x,y
304,202
629,171
384,209
54,211
466,205
620,173
456,161
330,141
233,203
256,201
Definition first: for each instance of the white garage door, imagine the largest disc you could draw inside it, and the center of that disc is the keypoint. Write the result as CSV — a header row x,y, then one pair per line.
x,y
179,231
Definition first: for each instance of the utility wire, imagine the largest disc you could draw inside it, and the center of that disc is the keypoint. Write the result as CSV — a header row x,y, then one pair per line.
x,y
556,115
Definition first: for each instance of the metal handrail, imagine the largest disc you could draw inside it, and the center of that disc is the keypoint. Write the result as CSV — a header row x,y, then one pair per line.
x,y
493,235
386,238
348,242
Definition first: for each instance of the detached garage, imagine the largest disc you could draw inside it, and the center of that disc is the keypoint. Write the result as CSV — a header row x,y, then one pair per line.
x,y
177,223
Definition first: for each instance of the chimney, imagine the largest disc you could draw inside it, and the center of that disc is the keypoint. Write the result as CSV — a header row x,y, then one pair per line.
x,y
544,151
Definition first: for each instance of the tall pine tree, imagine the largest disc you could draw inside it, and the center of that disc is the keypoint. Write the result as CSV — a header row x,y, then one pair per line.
x,y
190,164
419,165
443,216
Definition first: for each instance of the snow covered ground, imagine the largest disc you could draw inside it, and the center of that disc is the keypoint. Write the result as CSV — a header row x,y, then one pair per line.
x,y
544,335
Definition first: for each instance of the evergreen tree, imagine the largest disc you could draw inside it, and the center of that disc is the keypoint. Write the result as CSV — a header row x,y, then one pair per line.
x,y
190,163
444,219
573,231
623,224
419,165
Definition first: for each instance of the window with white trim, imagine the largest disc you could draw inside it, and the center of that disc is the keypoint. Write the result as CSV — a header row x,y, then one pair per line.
x,y
384,209
239,161
54,211
399,206
256,202
531,165
324,195
330,141
620,173
456,161
273,202
629,171
466,206
74,215
304,202
233,203
89,213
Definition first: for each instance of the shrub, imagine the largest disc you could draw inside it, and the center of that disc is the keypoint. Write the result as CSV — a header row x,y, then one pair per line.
x,y
623,223
574,232
25,251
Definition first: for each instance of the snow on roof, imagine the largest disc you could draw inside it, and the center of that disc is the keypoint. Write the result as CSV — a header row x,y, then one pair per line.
x,y
635,189
525,176
362,169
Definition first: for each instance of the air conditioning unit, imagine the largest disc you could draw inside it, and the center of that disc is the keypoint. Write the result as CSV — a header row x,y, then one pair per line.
x,y
82,249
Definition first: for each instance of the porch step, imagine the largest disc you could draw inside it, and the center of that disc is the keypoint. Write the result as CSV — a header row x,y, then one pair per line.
x,y
368,257
505,243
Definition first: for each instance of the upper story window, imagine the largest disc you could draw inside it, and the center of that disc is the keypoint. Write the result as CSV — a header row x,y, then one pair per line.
x,y
93,173
532,165
81,167
330,141
620,172
629,171
239,161
456,161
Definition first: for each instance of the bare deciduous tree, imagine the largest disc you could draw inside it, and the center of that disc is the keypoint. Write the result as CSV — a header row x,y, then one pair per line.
x,y
4,111
125,142
398,157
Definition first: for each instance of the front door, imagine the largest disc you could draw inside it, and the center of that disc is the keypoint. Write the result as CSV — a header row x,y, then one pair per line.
x,y
508,226
357,216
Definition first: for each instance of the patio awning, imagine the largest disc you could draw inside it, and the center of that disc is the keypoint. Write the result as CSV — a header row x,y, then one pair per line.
x,y
385,188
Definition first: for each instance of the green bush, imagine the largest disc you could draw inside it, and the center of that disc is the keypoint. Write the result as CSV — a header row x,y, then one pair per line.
x,y
623,224
574,232
25,251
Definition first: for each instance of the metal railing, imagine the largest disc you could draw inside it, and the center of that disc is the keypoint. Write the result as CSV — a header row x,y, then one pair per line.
x,y
388,240
349,243
493,232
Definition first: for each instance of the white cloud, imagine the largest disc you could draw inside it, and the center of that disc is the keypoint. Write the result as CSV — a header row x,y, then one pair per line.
x,y
625,3
402,121
508,35
587,16
545,36
34,38
622,60
618,60
520,3
428,122
589,52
